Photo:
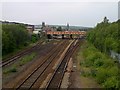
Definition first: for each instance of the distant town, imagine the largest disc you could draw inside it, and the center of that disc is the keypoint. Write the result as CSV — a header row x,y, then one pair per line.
x,y
36,29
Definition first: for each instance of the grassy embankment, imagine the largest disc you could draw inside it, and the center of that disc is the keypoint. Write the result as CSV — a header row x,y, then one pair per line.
x,y
97,65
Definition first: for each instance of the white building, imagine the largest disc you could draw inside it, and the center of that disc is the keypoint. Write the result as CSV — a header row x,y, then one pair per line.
x,y
37,29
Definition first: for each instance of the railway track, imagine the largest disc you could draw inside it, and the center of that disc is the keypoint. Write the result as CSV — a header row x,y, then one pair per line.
x,y
33,77
56,78
19,55
38,73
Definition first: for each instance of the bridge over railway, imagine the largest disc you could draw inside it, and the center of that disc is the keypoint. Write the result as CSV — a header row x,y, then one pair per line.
x,y
50,34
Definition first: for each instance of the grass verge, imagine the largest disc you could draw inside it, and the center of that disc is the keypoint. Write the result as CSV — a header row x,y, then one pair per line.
x,y
12,69
26,59
21,62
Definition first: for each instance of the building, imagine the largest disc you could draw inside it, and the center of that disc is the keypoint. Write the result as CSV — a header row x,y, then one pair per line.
x,y
43,24
47,28
37,29
30,28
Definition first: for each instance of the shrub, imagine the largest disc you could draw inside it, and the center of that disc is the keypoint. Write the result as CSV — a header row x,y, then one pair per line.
x,y
98,62
13,36
105,37
111,82
101,75
102,67
34,38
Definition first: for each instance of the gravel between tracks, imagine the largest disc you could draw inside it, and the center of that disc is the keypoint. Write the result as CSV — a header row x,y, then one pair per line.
x,y
12,80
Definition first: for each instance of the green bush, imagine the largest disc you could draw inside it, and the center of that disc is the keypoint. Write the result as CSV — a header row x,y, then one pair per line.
x,y
108,62
34,38
98,62
102,67
105,36
13,37
101,75
111,82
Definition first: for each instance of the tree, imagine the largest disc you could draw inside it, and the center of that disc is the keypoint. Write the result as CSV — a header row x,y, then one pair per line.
x,y
59,28
105,36
13,37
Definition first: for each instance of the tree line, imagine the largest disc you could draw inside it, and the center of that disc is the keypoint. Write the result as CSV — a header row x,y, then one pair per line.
x,y
15,36
105,36
100,40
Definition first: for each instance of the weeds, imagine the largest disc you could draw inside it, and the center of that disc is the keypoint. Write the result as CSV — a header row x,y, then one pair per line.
x,y
21,62
26,59
13,69
102,67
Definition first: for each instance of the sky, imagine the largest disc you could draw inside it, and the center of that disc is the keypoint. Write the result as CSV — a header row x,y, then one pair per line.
x,y
85,13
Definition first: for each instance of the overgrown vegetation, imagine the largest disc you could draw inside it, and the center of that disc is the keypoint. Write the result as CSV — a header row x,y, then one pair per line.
x,y
99,66
105,36
26,59
12,69
35,38
97,62
21,62
15,37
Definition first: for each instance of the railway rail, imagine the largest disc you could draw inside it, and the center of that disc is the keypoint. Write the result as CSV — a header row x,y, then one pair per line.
x,y
19,55
58,74
56,78
33,77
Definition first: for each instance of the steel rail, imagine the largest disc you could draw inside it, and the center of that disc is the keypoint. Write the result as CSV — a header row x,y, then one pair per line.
x,y
56,79
19,55
47,61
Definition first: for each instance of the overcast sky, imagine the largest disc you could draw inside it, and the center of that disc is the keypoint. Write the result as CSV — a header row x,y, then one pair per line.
x,y
75,13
